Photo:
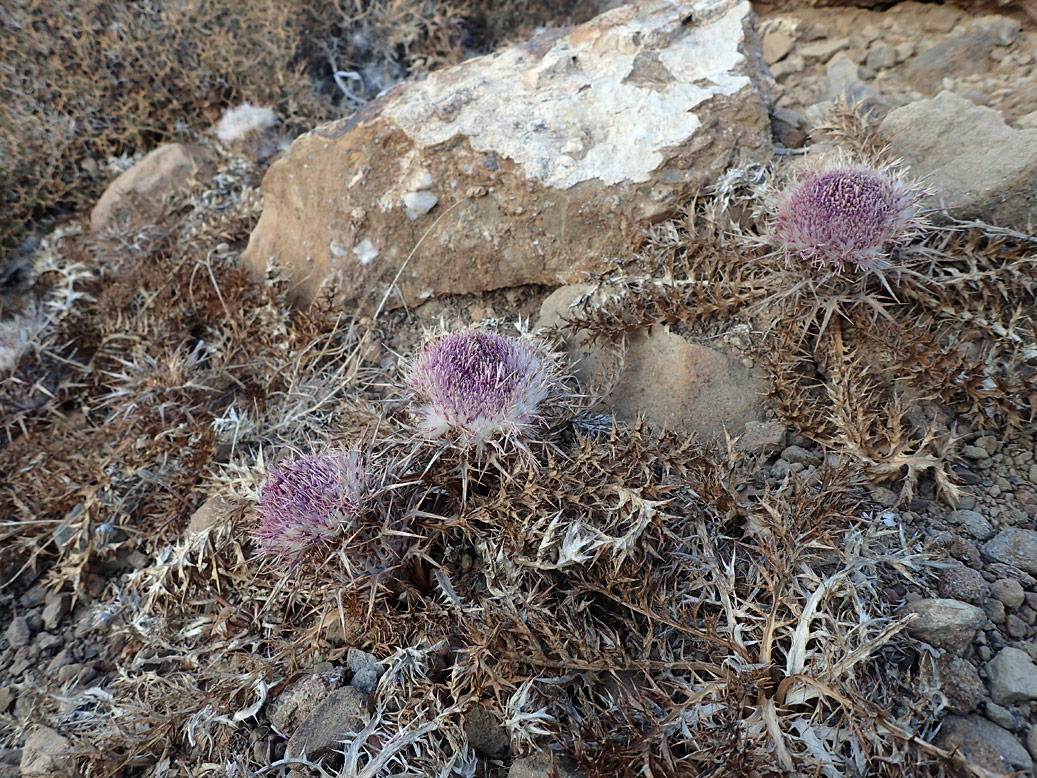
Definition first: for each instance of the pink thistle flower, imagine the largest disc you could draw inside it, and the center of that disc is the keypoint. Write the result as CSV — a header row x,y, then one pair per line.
x,y
845,214
309,500
477,386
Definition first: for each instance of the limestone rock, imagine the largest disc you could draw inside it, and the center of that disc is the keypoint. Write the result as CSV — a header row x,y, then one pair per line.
x,y
986,171
531,165
984,743
945,623
1012,677
168,170
340,714
1014,546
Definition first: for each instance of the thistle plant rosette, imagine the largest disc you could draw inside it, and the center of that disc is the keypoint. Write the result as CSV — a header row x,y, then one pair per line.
x,y
479,388
844,215
309,500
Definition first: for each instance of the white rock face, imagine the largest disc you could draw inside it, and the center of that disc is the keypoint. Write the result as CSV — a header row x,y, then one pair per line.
x,y
532,165
601,103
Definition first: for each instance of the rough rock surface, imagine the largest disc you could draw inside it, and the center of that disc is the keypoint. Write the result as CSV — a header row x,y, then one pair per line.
x,y
987,172
342,712
945,623
1014,546
985,743
531,165
168,170
45,753
1012,677
682,386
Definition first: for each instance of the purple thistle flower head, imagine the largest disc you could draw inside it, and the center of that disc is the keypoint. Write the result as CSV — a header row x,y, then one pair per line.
x,y
845,215
309,500
477,386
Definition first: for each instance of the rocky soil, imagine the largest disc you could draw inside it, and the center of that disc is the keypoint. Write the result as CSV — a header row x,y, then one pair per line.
x,y
955,93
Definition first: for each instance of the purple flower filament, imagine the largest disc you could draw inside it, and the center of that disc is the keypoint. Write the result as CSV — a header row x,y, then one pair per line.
x,y
309,500
477,385
845,215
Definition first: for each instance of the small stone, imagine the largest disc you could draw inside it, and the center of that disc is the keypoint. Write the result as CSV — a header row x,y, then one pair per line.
x,y
800,455
987,173
170,169
1031,741
543,764
788,66
1000,715
55,610
1033,474
297,701
975,452
776,43
995,610
945,623
960,683
762,437
985,743
213,512
45,753
486,733
975,523
343,712
881,58
7,697
366,670
1012,677
1016,547
1009,591
988,443
18,633
824,49
958,582
69,672
1015,627
887,498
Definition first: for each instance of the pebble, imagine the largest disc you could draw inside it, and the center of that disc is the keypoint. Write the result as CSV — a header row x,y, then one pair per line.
x,y
1012,677
55,611
366,670
958,582
975,523
1016,547
824,49
1031,741
1016,627
18,633
945,623
975,452
1009,591
985,743
1000,715
775,44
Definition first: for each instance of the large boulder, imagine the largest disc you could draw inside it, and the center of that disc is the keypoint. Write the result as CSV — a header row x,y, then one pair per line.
x,y
531,165
976,165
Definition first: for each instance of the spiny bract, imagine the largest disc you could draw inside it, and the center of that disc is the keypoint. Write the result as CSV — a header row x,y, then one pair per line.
x,y
311,499
845,215
478,386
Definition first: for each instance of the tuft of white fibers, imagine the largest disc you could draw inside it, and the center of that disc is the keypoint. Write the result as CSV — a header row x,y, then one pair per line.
x,y
246,118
